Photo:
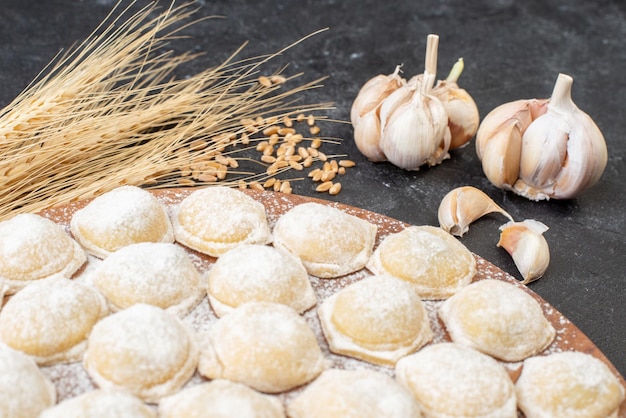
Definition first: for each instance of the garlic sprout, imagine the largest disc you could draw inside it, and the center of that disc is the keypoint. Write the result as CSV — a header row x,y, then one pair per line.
x,y
413,123
542,149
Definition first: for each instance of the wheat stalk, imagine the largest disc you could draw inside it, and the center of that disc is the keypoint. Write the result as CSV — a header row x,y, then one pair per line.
x,y
111,112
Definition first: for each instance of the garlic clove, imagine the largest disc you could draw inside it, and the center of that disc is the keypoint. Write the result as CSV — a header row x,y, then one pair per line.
x,y
462,206
373,93
525,242
367,136
563,150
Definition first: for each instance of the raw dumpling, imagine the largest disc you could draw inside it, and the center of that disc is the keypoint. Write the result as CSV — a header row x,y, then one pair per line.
x,y
123,216
266,346
497,318
450,380
143,350
330,242
24,389
160,274
51,319
568,384
33,248
378,319
259,273
224,399
217,219
428,257
354,394
101,403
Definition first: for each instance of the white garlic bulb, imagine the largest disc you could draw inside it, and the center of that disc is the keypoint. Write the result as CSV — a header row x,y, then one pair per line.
x,y
542,149
462,206
525,242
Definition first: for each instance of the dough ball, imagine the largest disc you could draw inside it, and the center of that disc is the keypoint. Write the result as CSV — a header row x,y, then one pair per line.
x,y
217,219
101,403
123,216
33,248
266,346
354,394
143,350
378,319
160,274
51,319
497,318
330,242
451,380
24,389
224,399
259,273
430,258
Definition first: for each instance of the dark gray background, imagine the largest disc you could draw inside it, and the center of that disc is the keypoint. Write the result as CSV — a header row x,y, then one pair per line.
x,y
512,50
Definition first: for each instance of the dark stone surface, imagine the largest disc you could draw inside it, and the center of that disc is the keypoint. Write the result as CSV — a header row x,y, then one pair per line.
x,y
512,49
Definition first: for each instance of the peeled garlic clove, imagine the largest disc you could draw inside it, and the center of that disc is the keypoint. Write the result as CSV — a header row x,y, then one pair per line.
x,y
373,93
563,151
525,242
499,139
463,116
367,136
462,206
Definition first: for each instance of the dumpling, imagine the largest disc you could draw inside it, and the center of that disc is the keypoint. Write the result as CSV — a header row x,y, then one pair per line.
x,y
497,318
123,216
568,384
357,393
378,319
428,257
217,219
259,273
101,403
33,248
330,242
224,399
24,390
51,319
160,274
266,346
450,380
143,350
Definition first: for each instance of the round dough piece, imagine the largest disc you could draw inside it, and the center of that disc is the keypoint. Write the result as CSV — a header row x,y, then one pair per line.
x,y
379,319
224,399
450,380
430,258
354,394
159,274
330,242
266,346
101,403
24,390
33,248
123,216
259,273
568,384
143,350
51,319
217,219
497,318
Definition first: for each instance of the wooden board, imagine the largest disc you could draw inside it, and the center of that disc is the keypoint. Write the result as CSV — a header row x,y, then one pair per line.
x,y
72,380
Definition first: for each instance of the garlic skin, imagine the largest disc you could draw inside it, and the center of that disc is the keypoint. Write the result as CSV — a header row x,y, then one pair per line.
x,y
367,136
463,116
542,149
373,92
563,151
525,242
462,206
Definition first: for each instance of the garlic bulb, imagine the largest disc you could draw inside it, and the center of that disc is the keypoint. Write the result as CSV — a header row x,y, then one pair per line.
x,y
542,149
525,242
463,116
462,206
